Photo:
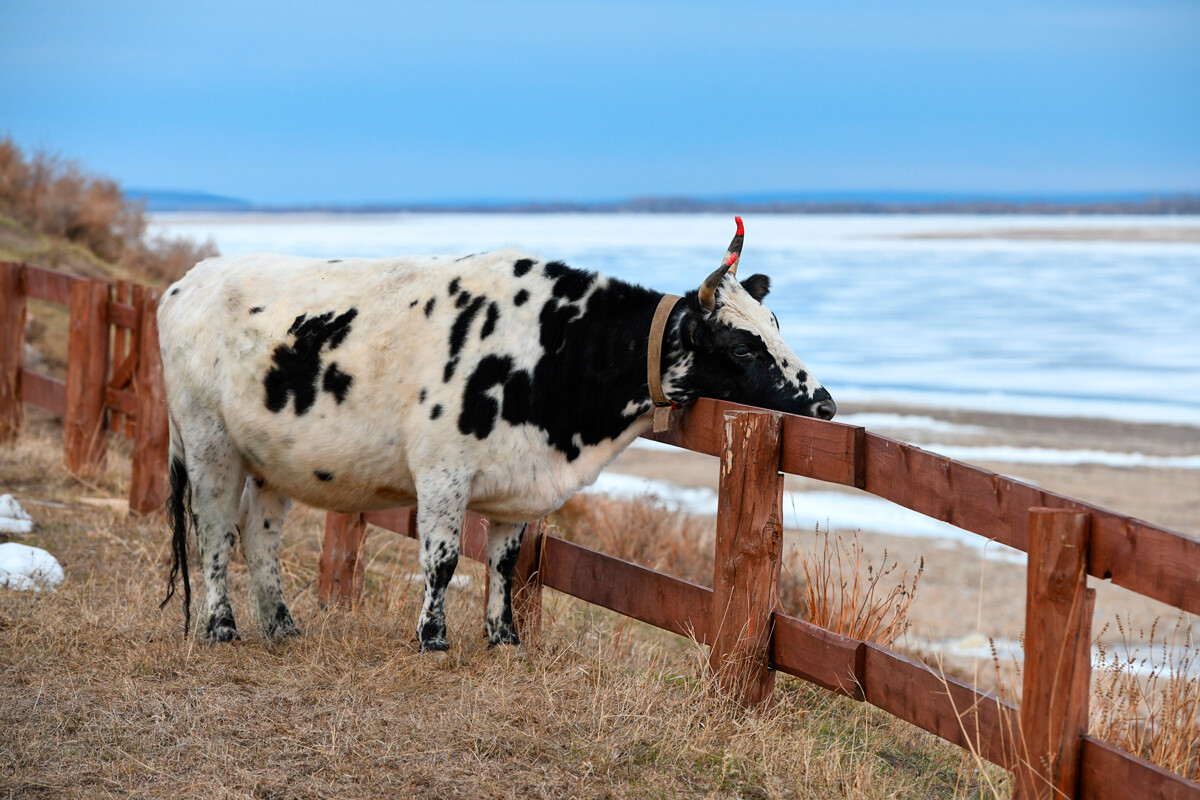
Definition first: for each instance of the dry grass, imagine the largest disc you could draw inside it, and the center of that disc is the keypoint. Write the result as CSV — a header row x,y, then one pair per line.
x,y
59,215
846,594
1146,695
100,695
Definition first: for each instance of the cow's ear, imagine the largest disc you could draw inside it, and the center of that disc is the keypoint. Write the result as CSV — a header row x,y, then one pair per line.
x,y
757,286
695,333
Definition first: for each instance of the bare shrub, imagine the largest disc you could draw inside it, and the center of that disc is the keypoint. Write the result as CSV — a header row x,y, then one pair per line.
x,y
61,200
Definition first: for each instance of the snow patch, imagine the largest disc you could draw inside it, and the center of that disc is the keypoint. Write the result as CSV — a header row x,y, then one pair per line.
x,y
13,518
28,568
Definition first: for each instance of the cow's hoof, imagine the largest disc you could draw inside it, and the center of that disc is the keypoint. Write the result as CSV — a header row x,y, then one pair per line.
x,y
222,629
504,636
282,626
436,645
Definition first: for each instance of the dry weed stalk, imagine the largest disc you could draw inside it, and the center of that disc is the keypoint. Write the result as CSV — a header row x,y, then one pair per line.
x,y
845,594
1146,696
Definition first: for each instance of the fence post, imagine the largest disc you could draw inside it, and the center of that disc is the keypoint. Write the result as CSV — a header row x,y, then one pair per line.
x,y
342,566
84,440
148,483
527,583
748,555
12,349
1058,638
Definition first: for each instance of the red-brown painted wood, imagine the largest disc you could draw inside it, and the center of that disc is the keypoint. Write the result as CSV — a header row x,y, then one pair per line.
x,y
148,483
1109,773
818,656
12,349
50,285
342,566
940,704
748,556
663,601
122,364
527,583
1057,669
84,429
44,392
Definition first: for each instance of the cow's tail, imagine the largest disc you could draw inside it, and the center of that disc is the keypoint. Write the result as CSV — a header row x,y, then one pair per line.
x,y
178,511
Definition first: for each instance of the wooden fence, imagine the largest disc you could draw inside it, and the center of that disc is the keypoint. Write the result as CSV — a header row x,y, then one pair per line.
x,y
114,382
114,373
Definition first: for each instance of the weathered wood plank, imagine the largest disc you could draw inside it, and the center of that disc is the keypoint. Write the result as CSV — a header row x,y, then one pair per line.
x,y
122,314
748,555
121,400
342,567
940,704
85,437
1110,773
148,482
12,350
527,582
1057,671
44,392
664,601
122,365
49,284
818,656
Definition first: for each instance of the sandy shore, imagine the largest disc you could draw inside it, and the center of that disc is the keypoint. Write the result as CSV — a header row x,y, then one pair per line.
x,y
961,594
1187,234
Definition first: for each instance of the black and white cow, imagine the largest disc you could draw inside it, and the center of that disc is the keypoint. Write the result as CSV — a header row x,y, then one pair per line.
x,y
498,383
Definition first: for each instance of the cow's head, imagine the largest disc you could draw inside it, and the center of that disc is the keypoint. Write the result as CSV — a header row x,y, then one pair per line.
x,y
737,351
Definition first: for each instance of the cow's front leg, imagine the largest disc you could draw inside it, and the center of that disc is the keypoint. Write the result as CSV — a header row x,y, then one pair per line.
x,y
441,506
504,546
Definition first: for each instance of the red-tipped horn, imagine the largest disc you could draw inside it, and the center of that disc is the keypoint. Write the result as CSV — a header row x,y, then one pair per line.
x,y
708,289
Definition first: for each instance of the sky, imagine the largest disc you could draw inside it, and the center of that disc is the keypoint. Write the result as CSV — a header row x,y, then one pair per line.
x,y
361,102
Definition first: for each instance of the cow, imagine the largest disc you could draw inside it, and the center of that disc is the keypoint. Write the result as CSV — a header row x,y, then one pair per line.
x,y
499,383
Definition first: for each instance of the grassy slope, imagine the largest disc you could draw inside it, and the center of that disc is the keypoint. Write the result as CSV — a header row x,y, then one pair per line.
x,y
99,694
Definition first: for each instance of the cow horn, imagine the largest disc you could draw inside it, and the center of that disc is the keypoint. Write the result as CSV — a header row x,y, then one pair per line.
x,y
708,289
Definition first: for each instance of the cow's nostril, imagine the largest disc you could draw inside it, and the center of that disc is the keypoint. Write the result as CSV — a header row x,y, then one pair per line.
x,y
826,409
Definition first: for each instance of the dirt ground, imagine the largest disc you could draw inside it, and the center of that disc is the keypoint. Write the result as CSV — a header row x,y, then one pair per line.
x,y
961,595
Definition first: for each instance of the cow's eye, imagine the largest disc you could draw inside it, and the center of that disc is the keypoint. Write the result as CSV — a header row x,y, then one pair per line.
x,y
741,351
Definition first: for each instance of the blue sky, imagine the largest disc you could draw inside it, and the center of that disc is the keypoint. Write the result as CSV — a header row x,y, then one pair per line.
x,y
381,101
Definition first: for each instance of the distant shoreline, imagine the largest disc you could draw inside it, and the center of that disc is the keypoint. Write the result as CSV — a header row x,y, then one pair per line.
x,y
1181,234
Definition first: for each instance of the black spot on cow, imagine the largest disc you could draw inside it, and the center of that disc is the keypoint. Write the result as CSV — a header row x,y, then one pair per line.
x,y
413,304
479,408
489,322
462,300
336,382
454,287
520,298
335,261
422,395
256,310
448,370
323,476
462,324
568,283
522,266
436,412
174,292
297,367
429,306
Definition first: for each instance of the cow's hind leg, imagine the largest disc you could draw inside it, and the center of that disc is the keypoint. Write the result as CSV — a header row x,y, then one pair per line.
x,y
263,512
504,546
441,505
216,475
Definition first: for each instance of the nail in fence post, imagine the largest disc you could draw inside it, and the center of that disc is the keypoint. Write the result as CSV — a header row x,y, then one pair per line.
x,y
1057,671
342,565
148,482
12,348
84,430
748,555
